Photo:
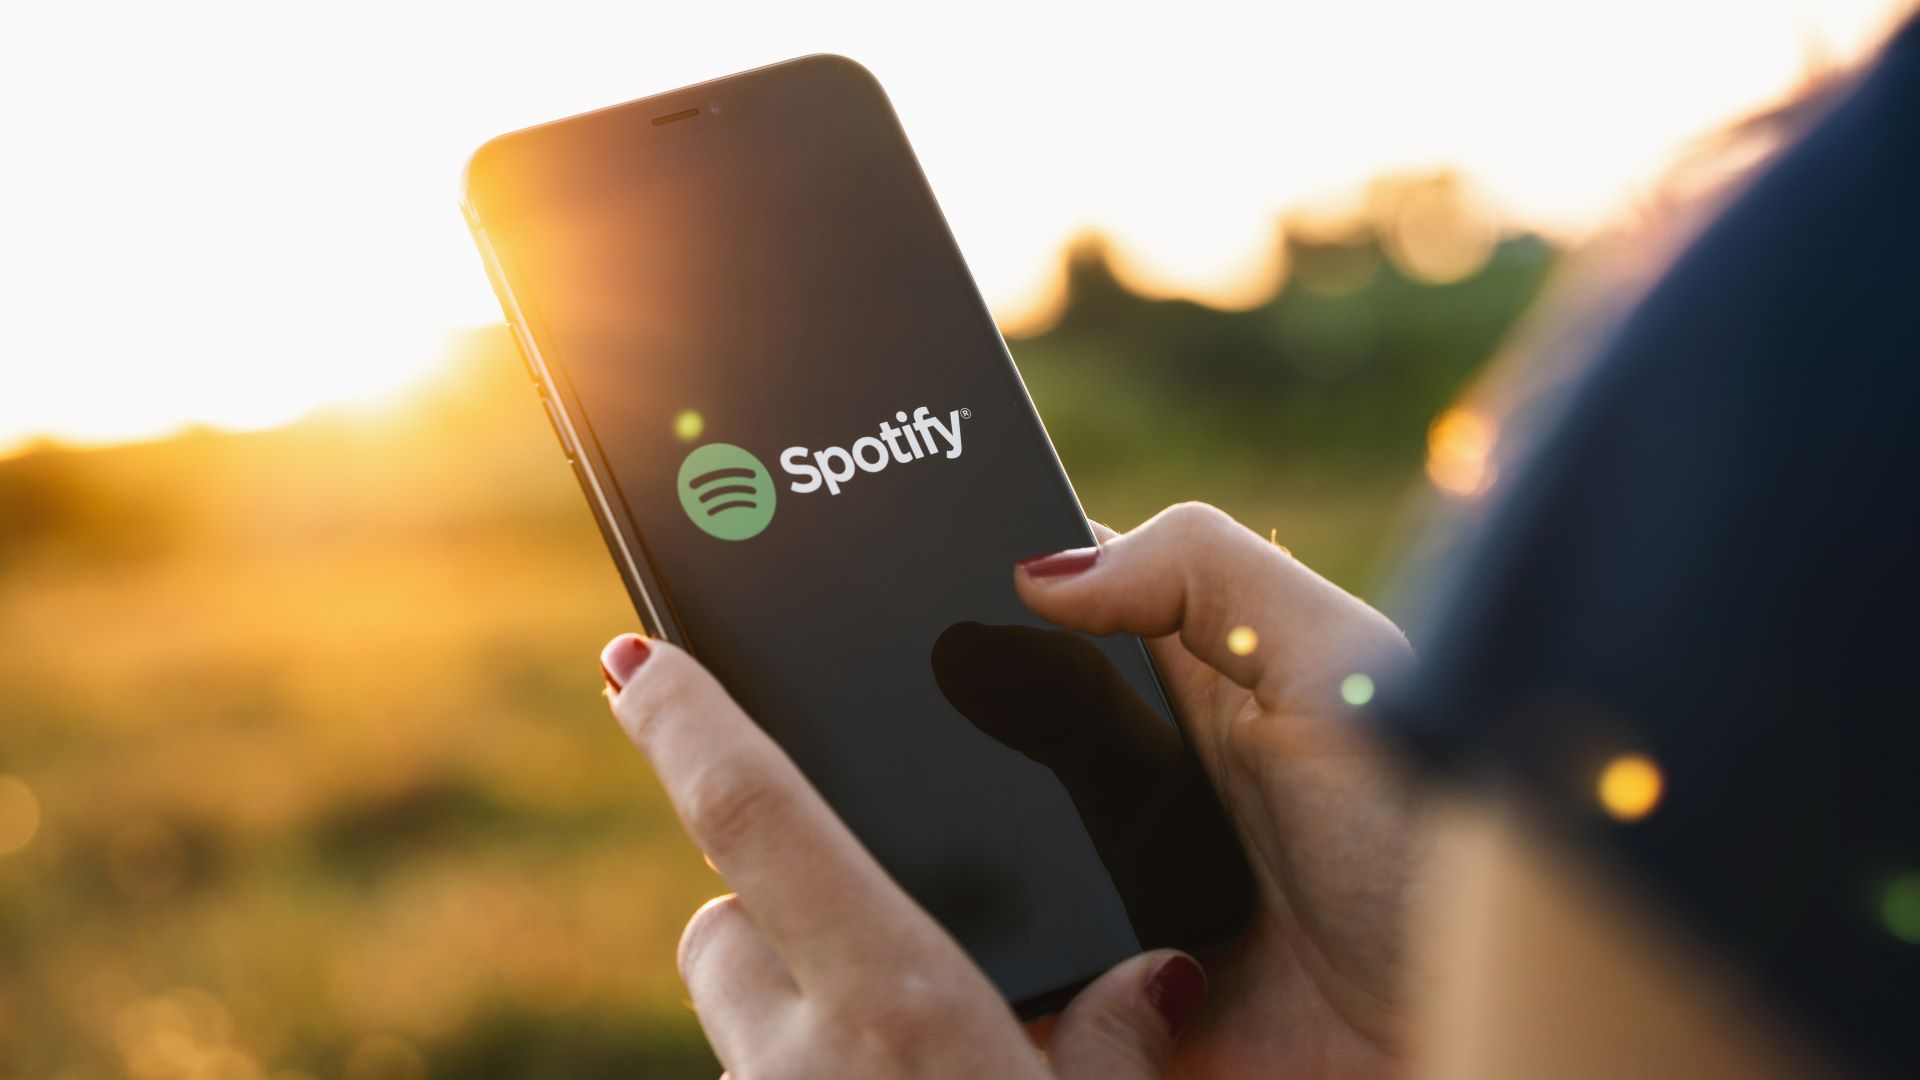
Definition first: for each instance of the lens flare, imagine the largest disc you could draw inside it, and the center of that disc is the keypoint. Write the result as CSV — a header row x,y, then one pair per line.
x,y
1356,689
1459,451
1630,787
1434,233
1241,641
1900,907
688,425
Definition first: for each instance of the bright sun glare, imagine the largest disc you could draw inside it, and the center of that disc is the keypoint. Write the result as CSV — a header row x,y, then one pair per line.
x,y
232,215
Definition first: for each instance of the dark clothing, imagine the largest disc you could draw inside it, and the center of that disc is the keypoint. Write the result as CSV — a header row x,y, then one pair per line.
x,y
1714,560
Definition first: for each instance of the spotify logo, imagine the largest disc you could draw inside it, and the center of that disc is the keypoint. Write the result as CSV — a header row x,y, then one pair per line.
x,y
726,491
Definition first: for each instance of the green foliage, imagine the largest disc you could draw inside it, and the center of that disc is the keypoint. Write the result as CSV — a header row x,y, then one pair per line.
x,y
1349,372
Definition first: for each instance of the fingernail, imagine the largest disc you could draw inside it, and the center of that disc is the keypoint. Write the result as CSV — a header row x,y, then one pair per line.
x,y
621,658
1061,563
1176,988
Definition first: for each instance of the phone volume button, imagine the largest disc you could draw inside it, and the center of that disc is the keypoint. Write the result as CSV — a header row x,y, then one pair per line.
x,y
559,428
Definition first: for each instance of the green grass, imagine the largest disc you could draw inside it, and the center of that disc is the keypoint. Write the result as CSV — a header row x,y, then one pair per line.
x,y
313,718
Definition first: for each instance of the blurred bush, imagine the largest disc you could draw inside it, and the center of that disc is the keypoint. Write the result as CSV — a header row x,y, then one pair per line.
x,y
309,772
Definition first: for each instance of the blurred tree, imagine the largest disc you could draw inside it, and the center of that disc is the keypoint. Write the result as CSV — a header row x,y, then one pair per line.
x,y
1373,330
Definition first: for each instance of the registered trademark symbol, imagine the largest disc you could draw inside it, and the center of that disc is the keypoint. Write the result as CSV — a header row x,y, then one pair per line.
x,y
966,414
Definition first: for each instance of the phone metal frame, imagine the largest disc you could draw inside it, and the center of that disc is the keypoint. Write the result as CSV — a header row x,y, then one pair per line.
x,y
617,526
582,451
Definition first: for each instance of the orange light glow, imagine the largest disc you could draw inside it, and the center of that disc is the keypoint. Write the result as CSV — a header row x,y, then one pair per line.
x,y
1630,787
170,273
187,1032
1434,233
1241,641
1459,451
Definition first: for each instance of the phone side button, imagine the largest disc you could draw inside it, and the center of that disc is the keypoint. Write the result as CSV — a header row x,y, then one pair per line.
x,y
525,346
559,429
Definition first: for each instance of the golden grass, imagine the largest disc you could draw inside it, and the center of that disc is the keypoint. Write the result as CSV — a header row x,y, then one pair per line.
x,y
325,782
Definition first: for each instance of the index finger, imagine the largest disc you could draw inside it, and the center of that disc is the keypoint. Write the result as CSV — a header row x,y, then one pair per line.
x,y
799,872
1237,602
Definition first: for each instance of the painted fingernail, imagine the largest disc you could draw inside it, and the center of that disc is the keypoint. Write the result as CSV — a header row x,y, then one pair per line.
x,y
621,658
1061,563
1176,988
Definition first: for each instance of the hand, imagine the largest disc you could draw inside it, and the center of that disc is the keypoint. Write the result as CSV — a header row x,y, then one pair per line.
x,y
1314,986
820,965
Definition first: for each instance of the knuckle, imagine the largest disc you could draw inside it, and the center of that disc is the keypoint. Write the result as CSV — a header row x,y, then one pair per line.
x,y
1197,520
896,1021
1216,543
729,801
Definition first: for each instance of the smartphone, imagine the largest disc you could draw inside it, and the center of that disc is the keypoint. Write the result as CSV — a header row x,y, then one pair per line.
x,y
815,465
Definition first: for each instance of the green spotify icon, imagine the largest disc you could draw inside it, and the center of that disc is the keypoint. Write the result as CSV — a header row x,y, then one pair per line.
x,y
726,491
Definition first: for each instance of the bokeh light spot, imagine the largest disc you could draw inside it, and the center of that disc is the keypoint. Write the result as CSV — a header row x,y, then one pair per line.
x,y
1433,232
1630,787
384,1057
187,1033
1459,452
688,425
19,814
1241,641
1356,689
1900,907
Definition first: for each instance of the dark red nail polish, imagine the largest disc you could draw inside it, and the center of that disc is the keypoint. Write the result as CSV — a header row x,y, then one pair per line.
x,y
1177,988
1061,563
621,658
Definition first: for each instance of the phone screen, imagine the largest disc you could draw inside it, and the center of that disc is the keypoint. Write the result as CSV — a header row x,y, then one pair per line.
x,y
787,386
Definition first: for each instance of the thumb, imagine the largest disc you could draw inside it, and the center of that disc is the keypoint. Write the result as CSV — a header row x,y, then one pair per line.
x,y
1124,1023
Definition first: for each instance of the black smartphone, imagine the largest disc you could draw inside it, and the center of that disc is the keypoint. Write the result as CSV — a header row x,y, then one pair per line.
x,y
815,465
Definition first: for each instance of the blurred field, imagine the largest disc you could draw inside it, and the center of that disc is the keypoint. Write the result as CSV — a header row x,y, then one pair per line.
x,y
320,780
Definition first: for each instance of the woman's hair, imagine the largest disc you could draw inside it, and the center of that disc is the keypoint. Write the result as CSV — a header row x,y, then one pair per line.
x,y
1706,563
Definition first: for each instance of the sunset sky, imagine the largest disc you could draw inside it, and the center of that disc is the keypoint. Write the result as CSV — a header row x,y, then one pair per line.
x,y
232,214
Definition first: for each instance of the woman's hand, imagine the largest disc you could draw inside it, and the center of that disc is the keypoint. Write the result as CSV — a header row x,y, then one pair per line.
x,y
820,965
1254,647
